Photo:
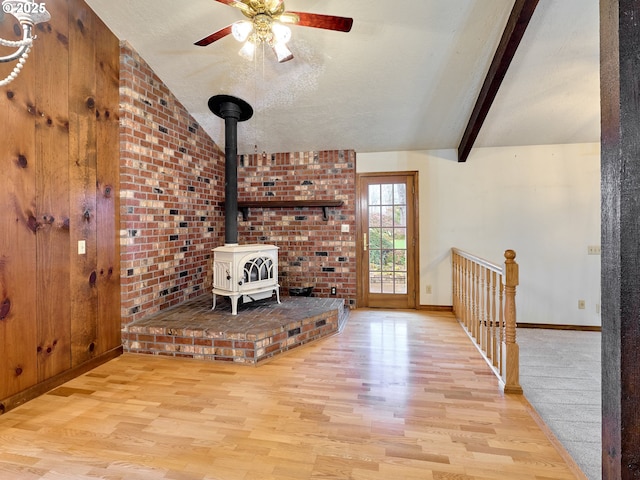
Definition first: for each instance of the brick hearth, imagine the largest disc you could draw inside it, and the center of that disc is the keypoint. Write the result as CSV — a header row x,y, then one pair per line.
x,y
260,331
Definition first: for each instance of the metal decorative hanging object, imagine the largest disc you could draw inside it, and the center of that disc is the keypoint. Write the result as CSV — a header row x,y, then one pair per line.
x,y
28,13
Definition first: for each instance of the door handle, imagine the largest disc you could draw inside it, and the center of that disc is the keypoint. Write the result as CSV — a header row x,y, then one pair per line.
x,y
365,243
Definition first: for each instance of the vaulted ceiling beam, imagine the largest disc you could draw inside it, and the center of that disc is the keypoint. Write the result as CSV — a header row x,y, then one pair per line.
x,y
514,31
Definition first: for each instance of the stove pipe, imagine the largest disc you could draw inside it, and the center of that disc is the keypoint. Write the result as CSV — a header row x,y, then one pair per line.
x,y
233,110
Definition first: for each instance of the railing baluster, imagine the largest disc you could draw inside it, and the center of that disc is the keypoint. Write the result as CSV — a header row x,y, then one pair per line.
x,y
494,321
467,290
501,326
486,338
478,305
454,268
481,307
475,301
472,299
485,314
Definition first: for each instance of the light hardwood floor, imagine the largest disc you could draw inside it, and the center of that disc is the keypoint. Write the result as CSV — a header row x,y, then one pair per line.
x,y
397,395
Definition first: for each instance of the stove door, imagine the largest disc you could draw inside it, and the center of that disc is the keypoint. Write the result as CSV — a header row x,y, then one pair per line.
x,y
222,276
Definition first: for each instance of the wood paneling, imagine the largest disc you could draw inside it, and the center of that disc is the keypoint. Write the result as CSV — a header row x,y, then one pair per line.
x,y
51,55
18,328
83,168
59,153
108,190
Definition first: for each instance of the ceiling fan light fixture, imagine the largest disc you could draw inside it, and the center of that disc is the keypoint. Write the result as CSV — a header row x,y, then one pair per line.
x,y
241,30
248,50
267,24
282,52
281,33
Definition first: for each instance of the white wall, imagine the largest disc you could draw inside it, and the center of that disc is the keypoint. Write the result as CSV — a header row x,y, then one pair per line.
x,y
541,201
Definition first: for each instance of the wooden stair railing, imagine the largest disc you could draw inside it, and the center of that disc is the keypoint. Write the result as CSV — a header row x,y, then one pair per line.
x,y
484,303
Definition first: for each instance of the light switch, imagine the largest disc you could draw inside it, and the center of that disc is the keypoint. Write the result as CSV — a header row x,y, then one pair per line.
x,y
82,247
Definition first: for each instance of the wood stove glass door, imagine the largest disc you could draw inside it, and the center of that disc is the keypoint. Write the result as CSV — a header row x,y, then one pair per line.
x,y
387,234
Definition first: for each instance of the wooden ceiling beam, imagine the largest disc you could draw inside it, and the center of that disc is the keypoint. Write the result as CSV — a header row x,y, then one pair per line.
x,y
514,31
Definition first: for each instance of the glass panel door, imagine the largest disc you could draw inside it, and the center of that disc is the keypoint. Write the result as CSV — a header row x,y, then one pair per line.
x,y
388,244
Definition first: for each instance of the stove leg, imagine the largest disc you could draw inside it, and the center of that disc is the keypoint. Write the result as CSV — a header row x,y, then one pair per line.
x,y
214,302
234,305
277,290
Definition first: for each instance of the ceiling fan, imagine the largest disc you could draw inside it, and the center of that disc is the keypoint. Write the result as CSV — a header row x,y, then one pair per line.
x,y
266,24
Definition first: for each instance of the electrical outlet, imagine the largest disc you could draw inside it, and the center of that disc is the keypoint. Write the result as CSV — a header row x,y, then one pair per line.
x,y
429,289
82,247
581,304
594,250
334,291
345,228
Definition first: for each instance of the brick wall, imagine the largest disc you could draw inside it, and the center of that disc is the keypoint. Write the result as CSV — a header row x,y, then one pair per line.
x,y
172,182
312,250
172,179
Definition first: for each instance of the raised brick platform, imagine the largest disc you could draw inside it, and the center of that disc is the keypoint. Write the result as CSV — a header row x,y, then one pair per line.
x,y
260,331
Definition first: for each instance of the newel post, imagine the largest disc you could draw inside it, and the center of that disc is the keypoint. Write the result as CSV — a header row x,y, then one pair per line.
x,y
512,349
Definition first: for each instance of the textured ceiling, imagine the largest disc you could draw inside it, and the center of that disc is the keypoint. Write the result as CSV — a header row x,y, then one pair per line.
x,y
405,78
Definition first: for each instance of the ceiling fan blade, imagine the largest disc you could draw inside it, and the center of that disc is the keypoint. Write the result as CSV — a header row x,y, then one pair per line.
x,y
273,5
328,22
236,3
214,36
288,17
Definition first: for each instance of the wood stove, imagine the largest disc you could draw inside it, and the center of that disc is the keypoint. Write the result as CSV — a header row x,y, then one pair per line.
x,y
247,272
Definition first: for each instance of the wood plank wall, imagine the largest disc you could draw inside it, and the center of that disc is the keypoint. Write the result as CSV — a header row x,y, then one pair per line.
x,y
59,158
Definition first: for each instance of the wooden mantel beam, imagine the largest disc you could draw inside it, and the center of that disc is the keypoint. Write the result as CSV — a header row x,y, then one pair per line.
x,y
514,31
